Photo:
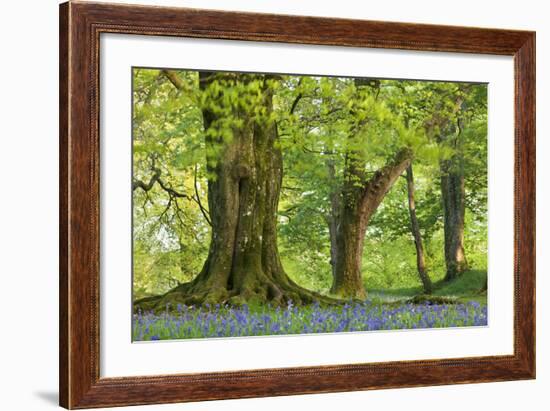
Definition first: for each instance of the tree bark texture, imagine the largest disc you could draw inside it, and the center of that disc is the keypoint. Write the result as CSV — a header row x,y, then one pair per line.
x,y
360,199
453,197
244,182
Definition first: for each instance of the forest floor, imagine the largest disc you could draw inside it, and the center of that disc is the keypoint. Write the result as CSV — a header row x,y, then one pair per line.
x,y
464,289
457,303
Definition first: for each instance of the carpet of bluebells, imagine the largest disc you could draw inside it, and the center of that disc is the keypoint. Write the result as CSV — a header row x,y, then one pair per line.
x,y
225,321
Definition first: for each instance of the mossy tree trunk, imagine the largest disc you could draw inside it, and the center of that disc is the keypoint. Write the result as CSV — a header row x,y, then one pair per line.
x,y
453,196
244,182
353,204
360,200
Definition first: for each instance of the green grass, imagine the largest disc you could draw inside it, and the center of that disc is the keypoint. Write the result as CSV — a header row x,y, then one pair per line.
x,y
465,288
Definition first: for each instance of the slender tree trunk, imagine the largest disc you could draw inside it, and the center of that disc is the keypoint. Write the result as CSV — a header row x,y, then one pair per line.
x,y
360,200
415,229
244,183
453,197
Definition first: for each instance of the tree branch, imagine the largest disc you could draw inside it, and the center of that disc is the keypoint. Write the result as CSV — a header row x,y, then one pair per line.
x,y
295,103
298,97
204,212
156,179
379,184
146,186
174,79
171,191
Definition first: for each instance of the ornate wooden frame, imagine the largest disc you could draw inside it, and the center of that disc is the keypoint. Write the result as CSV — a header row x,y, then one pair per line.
x,y
80,27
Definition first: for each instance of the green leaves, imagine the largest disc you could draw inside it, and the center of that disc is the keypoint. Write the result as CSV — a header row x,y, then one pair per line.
x,y
324,125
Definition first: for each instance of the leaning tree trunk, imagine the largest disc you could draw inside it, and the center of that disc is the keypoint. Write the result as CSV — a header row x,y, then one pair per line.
x,y
359,203
453,197
415,229
244,182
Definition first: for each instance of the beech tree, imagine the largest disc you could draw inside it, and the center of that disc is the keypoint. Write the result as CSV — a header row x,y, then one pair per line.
x,y
351,133
453,194
244,173
361,197
458,123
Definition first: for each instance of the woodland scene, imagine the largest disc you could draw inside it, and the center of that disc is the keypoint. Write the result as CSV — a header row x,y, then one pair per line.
x,y
273,204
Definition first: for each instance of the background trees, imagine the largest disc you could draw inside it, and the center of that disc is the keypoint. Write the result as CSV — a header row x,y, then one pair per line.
x,y
344,218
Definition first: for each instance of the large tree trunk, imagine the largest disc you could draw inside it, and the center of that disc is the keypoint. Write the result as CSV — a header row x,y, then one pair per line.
x,y
453,197
360,200
353,205
244,182
452,192
415,230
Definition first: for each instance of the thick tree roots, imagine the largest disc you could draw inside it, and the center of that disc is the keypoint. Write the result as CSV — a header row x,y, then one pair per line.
x,y
199,293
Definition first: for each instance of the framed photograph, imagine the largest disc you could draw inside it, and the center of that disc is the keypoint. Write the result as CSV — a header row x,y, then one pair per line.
x,y
259,205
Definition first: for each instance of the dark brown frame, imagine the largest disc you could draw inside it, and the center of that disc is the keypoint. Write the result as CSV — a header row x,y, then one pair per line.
x,y
80,27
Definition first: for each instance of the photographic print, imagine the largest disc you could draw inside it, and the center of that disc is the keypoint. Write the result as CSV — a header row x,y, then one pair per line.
x,y
256,183
274,204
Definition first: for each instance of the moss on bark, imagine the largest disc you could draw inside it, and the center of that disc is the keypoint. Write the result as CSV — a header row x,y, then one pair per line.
x,y
245,174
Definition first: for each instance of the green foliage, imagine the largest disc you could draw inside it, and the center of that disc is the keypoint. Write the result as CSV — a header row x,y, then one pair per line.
x,y
170,233
325,124
468,285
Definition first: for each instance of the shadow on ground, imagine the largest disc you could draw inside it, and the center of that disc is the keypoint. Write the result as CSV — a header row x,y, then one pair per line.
x,y
51,397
